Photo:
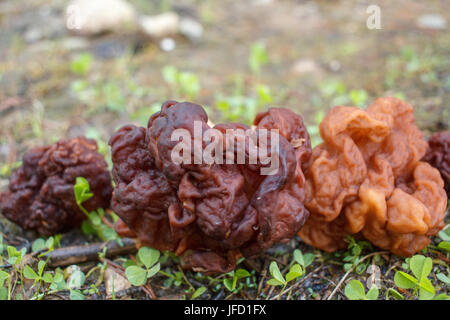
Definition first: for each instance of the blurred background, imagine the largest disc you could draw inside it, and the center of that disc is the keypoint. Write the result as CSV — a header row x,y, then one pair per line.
x,y
90,66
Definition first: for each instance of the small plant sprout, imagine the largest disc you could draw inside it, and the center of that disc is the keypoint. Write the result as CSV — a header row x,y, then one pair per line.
x,y
352,256
354,290
243,107
304,260
391,292
5,293
445,279
294,273
420,267
173,278
198,292
147,266
444,245
184,84
258,57
44,247
230,282
95,223
82,64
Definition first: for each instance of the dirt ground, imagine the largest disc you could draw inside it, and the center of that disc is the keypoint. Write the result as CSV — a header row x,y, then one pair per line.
x,y
319,54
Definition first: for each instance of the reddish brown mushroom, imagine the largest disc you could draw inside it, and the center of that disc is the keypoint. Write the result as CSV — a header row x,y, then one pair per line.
x,y
367,179
209,214
40,195
438,155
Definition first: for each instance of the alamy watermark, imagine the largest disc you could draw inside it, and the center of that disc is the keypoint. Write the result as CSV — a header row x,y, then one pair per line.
x,y
235,146
374,19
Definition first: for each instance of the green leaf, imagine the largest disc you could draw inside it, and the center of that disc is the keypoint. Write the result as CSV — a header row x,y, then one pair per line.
x,y
82,190
358,97
394,293
136,275
29,273
309,258
3,293
13,255
3,276
445,245
404,280
38,245
189,84
258,57
154,270
82,64
441,296
275,282
426,290
95,218
48,278
275,272
198,292
298,256
41,266
88,228
264,94
129,263
294,272
148,256
373,293
440,276
76,279
445,234
354,290
170,74
228,282
58,282
420,266
53,241
242,273
76,295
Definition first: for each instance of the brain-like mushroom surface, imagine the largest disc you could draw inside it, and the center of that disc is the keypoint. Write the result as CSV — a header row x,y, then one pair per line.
x,y
41,196
367,179
438,155
212,213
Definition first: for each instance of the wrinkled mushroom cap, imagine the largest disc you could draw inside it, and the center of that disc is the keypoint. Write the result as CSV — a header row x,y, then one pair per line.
x,y
367,179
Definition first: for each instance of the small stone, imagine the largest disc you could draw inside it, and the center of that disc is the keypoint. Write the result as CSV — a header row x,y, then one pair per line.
x,y
161,25
191,29
305,66
92,17
432,21
167,44
109,49
114,282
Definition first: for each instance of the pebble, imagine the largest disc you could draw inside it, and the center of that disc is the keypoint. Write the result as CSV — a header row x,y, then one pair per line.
x,y
92,17
191,29
109,49
159,26
432,21
167,44
114,282
305,66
